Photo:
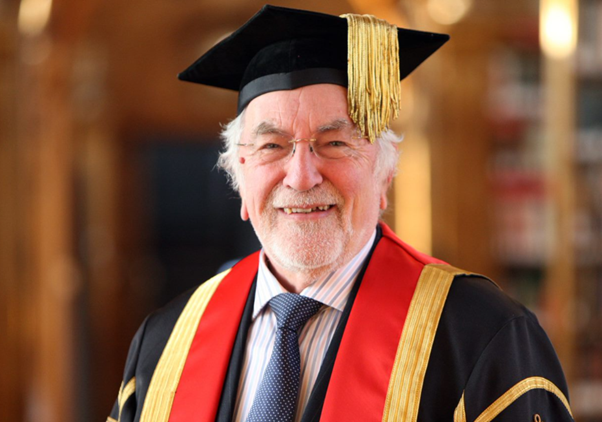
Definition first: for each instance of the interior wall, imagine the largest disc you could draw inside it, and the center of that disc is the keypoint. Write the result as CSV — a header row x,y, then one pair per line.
x,y
79,101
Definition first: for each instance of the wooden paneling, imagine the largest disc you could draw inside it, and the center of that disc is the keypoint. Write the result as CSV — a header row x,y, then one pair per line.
x,y
13,288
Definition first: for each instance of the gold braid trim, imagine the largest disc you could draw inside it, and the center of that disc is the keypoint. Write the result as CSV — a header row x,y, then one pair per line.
x,y
165,380
125,393
414,350
460,412
517,391
373,91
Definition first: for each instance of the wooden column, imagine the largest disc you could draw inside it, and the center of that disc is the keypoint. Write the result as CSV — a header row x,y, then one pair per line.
x,y
559,131
451,117
47,132
13,286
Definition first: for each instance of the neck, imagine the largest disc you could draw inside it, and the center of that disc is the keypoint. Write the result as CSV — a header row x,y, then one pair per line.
x,y
296,280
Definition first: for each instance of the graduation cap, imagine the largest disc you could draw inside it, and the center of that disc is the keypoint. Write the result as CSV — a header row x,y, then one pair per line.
x,y
283,49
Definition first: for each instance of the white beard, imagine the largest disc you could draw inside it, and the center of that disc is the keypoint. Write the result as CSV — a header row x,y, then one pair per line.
x,y
305,246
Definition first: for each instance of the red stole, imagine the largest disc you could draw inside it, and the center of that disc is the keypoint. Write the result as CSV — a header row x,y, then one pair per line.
x,y
360,378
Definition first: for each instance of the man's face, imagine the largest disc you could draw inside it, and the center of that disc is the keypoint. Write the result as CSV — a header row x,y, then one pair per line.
x,y
310,214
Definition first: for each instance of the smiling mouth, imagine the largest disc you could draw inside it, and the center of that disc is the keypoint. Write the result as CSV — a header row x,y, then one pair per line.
x,y
306,210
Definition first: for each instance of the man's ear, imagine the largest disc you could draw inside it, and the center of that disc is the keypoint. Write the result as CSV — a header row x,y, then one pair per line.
x,y
383,194
383,201
244,214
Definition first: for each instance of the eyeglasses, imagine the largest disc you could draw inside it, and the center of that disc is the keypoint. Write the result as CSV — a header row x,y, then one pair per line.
x,y
330,145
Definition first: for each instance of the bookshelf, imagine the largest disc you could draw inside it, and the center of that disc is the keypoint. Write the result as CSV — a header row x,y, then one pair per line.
x,y
588,212
534,118
522,204
545,171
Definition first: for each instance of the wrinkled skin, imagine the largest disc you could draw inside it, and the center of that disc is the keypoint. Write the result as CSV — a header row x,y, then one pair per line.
x,y
301,246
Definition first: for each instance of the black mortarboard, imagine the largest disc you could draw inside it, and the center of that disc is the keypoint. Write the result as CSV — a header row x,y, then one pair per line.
x,y
282,49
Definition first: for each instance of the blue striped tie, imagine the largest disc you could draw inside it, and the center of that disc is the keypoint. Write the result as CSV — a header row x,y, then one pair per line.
x,y
276,398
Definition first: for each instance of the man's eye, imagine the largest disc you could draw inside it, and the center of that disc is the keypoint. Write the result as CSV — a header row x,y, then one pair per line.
x,y
268,145
271,146
336,144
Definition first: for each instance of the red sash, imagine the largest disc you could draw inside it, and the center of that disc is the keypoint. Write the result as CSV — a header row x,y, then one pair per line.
x,y
360,378
198,395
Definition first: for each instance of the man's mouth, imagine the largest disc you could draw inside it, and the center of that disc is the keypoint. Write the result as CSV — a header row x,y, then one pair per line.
x,y
306,210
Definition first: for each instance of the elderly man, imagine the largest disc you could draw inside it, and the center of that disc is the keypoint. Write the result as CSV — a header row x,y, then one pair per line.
x,y
335,319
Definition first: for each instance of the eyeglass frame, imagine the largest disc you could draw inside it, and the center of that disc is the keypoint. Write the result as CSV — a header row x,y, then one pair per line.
x,y
294,141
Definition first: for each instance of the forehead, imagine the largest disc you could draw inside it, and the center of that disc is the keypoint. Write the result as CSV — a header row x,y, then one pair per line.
x,y
302,109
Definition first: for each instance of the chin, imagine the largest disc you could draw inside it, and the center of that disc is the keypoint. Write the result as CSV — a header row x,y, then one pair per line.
x,y
308,247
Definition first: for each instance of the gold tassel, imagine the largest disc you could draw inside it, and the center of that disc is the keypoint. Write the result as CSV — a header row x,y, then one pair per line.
x,y
373,91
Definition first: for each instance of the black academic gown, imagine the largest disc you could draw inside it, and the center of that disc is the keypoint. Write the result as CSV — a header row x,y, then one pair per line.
x,y
489,353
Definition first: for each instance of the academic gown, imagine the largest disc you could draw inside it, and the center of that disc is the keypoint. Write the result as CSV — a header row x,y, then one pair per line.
x,y
418,341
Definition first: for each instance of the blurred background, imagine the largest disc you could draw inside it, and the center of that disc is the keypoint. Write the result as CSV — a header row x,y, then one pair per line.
x,y
110,204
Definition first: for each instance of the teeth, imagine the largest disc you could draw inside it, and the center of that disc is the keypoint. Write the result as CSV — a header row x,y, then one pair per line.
x,y
306,210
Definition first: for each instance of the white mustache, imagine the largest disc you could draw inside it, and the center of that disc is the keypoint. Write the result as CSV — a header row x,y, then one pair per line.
x,y
325,194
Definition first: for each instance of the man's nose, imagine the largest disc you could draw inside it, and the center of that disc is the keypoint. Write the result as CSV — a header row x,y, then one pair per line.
x,y
302,172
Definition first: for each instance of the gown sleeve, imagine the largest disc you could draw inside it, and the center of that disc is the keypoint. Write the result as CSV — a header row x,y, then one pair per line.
x,y
144,354
124,409
491,361
517,377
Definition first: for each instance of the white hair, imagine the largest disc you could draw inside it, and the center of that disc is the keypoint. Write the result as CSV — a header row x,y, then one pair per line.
x,y
386,163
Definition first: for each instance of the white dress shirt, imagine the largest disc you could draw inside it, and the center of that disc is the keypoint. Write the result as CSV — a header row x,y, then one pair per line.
x,y
333,291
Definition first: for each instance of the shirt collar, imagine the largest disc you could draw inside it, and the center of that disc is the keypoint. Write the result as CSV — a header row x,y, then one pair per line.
x,y
332,289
